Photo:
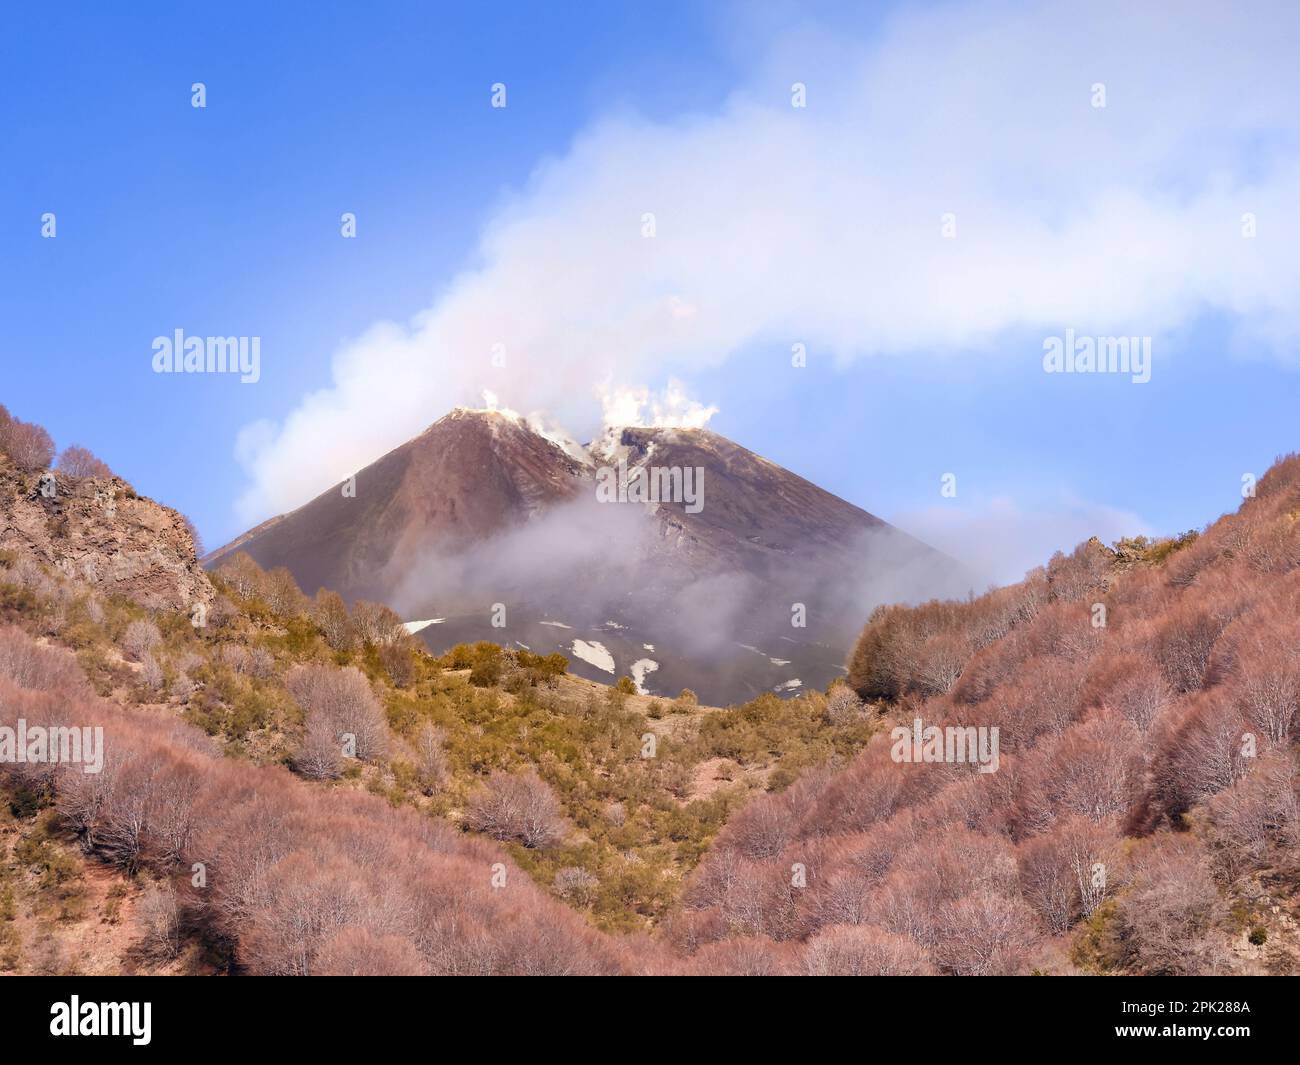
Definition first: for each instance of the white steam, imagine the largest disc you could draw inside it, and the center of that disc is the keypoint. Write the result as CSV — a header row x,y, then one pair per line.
x,y
825,225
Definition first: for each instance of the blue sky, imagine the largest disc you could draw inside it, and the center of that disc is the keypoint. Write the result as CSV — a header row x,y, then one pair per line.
x,y
225,221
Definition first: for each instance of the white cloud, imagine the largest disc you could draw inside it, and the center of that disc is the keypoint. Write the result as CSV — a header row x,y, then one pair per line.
x,y
1000,541
822,225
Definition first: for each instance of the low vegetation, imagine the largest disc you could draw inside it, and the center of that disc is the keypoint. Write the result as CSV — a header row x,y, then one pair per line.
x,y
295,785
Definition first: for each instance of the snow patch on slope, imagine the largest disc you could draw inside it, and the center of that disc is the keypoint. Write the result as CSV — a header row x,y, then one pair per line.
x,y
594,654
774,661
641,668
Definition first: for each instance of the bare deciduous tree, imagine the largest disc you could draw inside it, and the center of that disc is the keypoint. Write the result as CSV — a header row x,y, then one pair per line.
x,y
576,884
159,919
1066,873
338,703
842,705
359,952
984,935
243,575
331,614
376,624
864,950
430,757
398,659
518,806
28,445
1166,920
38,668
282,593
77,461
151,675
320,754
140,638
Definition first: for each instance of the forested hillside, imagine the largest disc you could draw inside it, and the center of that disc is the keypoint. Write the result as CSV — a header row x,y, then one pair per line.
x,y
1143,818
292,785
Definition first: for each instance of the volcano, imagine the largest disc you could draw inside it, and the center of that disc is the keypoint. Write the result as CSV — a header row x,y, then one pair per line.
x,y
485,527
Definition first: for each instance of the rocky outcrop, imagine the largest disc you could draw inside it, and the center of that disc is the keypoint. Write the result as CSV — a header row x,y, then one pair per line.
x,y
98,531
